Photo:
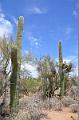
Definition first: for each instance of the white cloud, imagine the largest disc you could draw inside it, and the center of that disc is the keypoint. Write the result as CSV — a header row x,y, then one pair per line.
x,y
65,60
75,71
26,52
33,40
73,59
37,10
31,68
68,59
36,43
15,20
68,30
5,25
75,13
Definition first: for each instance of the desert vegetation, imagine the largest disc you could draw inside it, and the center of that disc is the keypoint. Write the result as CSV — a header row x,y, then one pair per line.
x,y
23,97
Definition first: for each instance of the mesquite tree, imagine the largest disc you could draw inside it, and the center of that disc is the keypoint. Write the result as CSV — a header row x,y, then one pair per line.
x,y
48,74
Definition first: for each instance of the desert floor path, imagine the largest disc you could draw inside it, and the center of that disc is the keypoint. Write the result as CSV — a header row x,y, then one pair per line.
x,y
60,115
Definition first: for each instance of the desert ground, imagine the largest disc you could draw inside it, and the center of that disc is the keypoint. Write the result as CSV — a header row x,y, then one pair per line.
x,y
61,115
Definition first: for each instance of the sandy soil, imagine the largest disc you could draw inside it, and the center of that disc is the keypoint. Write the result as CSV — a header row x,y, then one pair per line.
x,y
62,115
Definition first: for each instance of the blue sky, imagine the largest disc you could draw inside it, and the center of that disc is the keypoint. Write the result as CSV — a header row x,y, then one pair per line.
x,y
45,23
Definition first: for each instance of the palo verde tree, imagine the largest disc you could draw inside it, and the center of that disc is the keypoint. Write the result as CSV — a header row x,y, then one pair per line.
x,y
48,74
4,62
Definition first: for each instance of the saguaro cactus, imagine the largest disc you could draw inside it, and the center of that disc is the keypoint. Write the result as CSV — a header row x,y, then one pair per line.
x,y
19,37
13,79
19,47
16,63
61,74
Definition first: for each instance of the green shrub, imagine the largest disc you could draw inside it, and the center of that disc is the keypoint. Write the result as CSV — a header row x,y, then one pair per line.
x,y
30,85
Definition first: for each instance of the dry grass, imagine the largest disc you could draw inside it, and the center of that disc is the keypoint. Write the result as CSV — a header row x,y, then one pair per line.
x,y
34,108
66,101
74,108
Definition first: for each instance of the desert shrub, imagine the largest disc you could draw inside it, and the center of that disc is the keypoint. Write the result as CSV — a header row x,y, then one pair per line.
x,y
73,92
30,85
22,115
52,104
58,106
30,115
36,102
74,108
66,101
36,115
30,102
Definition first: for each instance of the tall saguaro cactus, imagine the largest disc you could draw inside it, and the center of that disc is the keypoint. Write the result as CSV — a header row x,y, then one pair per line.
x,y
19,37
13,79
16,64
19,47
61,74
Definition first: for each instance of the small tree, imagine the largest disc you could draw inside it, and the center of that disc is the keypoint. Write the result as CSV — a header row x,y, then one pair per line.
x,y
4,62
49,76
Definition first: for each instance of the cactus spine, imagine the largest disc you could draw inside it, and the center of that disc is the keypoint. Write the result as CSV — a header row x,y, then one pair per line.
x,y
61,74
